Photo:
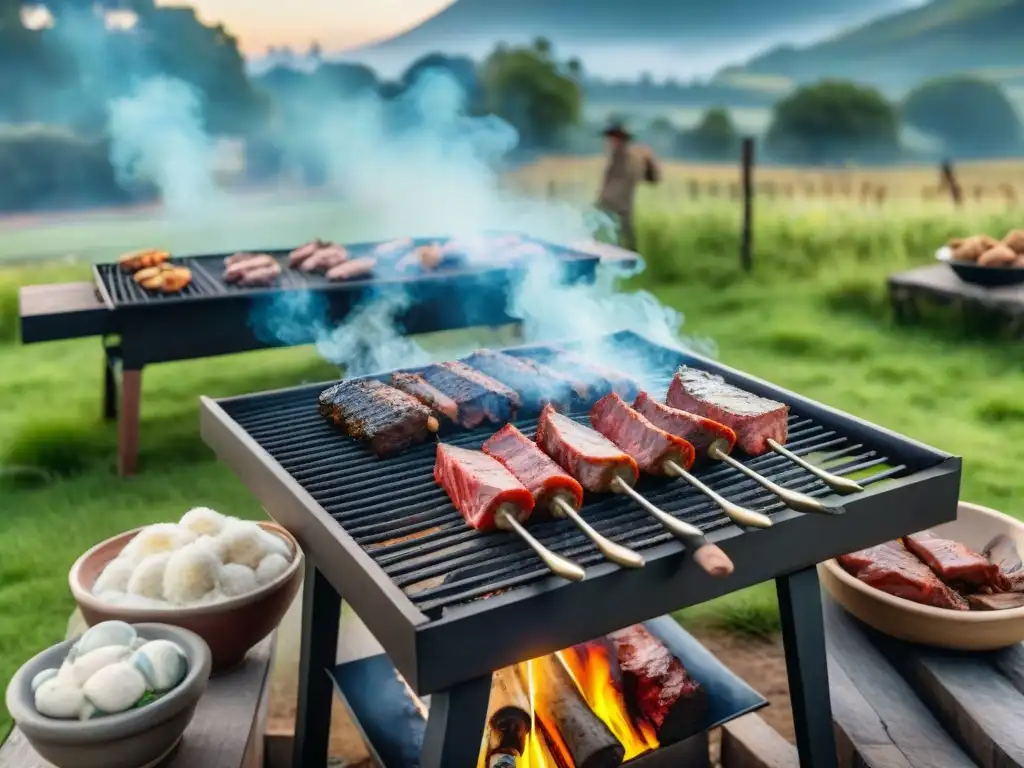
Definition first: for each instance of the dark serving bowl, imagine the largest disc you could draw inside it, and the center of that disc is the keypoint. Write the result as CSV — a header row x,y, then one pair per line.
x,y
990,277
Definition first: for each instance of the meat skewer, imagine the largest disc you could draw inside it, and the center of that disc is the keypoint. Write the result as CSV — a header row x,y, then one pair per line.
x,y
601,467
551,487
489,497
661,451
760,425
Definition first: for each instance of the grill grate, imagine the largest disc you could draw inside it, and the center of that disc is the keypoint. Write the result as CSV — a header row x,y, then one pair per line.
x,y
207,282
405,522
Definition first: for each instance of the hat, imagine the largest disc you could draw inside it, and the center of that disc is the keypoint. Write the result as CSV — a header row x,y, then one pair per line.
x,y
617,130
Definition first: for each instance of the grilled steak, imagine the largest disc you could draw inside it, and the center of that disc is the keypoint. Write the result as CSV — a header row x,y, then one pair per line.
x,y
349,270
324,259
532,467
588,456
954,563
437,401
753,418
650,446
592,381
303,252
700,432
658,684
890,568
384,418
479,397
536,384
480,486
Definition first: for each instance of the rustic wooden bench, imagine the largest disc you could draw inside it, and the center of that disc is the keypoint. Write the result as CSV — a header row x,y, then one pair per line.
x,y
226,732
938,283
898,705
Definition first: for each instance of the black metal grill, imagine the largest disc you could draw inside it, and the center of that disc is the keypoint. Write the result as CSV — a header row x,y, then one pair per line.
x,y
396,512
119,289
415,573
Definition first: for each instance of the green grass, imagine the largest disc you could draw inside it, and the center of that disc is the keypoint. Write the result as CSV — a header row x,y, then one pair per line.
x,y
812,317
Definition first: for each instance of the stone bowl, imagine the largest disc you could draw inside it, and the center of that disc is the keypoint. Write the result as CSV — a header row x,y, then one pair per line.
x,y
230,627
138,738
906,620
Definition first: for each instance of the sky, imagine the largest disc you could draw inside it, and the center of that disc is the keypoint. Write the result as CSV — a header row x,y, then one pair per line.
x,y
335,24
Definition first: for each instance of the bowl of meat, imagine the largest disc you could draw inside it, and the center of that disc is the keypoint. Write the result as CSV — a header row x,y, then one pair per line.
x,y
983,260
959,585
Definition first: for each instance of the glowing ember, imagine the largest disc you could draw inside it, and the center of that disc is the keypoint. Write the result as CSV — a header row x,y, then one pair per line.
x,y
591,668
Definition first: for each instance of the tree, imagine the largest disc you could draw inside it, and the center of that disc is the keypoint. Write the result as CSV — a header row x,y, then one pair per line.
x,y
575,68
527,90
833,121
970,115
714,137
462,69
542,46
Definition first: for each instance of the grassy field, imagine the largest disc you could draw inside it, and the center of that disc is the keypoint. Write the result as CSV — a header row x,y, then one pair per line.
x,y
812,317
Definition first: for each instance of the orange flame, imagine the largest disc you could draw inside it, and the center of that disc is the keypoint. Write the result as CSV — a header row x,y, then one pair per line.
x,y
591,668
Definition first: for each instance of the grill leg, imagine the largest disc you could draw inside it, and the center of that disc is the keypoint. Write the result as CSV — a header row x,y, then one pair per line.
x,y
321,612
455,727
128,424
803,633
109,390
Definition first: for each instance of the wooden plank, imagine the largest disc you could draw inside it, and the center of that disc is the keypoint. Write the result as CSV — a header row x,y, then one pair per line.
x,y
221,733
749,742
880,722
940,281
1010,662
61,311
979,706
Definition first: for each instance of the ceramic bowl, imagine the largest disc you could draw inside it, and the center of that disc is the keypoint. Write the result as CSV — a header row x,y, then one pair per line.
x,y
903,619
138,738
989,277
230,627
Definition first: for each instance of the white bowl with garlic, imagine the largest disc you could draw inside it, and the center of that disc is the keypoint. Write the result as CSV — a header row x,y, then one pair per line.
x,y
228,580
119,696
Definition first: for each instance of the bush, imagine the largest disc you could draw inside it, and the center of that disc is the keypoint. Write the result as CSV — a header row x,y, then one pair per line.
x,y
713,138
973,117
48,168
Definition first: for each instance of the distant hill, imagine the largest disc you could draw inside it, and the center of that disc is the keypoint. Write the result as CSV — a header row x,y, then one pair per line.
x,y
898,50
695,31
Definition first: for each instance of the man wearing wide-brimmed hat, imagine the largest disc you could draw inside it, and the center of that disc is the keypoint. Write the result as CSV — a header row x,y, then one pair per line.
x,y
628,165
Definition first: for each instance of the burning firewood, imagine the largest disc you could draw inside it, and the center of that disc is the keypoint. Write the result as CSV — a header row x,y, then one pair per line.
x,y
508,720
566,717
657,684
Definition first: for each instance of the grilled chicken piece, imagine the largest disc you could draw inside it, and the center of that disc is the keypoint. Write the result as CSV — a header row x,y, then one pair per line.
x,y
176,280
136,260
238,269
324,259
349,270
165,278
262,275
303,252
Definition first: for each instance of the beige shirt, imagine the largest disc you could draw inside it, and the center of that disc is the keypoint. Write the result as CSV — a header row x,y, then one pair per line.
x,y
625,170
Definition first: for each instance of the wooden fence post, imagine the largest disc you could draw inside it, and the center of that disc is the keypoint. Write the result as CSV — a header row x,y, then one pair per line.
x,y
746,241
949,181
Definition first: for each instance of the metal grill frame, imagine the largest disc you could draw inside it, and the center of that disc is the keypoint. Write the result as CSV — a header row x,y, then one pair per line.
x,y
472,639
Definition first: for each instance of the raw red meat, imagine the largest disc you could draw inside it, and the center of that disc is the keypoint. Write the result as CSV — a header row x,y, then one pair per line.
x,y
588,456
753,418
416,385
1003,601
479,486
954,563
892,569
650,446
657,684
700,432
532,467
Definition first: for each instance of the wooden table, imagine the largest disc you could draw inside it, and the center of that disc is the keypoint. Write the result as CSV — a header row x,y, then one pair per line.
x,y
226,731
940,284
897,705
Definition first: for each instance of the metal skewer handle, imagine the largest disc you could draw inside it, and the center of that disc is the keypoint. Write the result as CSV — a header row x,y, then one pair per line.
x,y
623,556
801,502
708,556
735,512
557,564
837,483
